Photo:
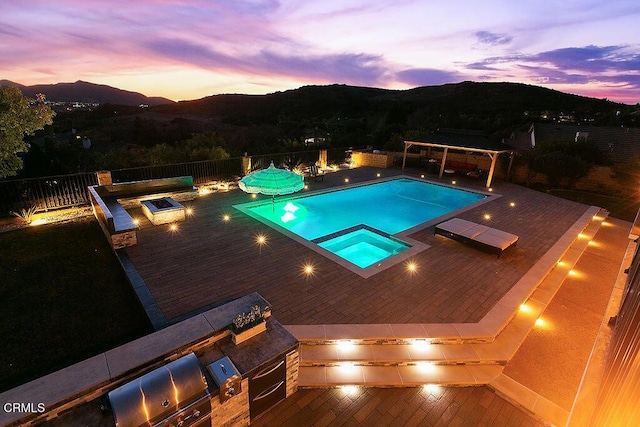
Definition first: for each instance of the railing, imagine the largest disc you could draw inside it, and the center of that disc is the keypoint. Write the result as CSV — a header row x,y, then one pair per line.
x,y
62,191
44,193
203,171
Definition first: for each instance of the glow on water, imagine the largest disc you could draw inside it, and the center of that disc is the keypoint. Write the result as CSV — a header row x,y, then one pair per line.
x,y
390,206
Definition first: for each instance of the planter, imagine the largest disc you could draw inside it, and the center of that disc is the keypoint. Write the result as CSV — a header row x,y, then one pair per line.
x,y
239,337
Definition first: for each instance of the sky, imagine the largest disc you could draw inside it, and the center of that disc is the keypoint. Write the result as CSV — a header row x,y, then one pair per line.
x,y
189,49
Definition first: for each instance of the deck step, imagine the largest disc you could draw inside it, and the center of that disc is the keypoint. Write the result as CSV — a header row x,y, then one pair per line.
x,y
397,376
399,354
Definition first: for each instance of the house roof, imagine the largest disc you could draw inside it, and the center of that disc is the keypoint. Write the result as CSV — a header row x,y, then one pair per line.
x,y
620,143
462,139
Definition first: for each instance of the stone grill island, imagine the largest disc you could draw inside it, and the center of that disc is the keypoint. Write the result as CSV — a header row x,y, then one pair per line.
x,y
264,370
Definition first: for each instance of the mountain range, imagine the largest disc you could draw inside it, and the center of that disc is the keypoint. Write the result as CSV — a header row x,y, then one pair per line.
x,y
86,92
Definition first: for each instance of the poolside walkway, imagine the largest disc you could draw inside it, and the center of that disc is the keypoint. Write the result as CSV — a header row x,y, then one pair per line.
x,y
209,261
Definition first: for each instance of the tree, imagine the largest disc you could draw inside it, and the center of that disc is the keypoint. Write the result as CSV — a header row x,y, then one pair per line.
x,y
19,116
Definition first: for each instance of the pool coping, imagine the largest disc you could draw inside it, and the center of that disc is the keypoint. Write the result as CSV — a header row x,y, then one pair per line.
x,y
404,236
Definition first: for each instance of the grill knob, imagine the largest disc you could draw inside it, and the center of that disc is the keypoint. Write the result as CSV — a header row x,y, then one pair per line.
x,y
196,413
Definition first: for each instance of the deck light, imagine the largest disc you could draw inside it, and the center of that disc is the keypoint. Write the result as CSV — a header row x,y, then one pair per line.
x,y
431,388
350,390
306,187
490,190
308,269
540,322
512,204
487,217
345,345
253,196
378,175
420,344
453,182
189,211
136,221
173,227
426,366
412,267
226,218
582,236
203,191
346,180
421,176
525,308
261,239
347,366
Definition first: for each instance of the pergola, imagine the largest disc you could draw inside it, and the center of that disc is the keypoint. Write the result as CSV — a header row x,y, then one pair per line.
x,y
468,142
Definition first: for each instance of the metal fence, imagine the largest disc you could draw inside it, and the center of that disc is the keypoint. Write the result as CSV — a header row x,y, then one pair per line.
x,y
44,193
204,171
54,192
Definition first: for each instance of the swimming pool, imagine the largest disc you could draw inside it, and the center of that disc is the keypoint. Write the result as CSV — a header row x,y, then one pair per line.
x,y
386,208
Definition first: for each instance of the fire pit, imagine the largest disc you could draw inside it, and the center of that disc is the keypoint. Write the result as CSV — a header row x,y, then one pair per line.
x,y
163,211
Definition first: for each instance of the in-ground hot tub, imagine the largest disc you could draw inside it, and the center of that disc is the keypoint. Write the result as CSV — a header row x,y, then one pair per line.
x,y
163,211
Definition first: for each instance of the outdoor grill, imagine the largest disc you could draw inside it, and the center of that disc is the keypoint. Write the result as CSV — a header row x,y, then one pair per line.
x,y
174,394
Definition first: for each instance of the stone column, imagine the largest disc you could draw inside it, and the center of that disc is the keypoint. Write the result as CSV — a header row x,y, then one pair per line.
x,y
104,178
246,164
323,159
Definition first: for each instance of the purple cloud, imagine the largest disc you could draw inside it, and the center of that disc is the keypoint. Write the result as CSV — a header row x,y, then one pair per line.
x,y
493,39
428,76
345,68
574,65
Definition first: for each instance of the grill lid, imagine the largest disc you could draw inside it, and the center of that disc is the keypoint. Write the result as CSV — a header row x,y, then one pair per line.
x,y
159,393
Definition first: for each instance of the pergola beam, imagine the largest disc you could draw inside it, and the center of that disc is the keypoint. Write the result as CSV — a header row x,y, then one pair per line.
x,y
493,155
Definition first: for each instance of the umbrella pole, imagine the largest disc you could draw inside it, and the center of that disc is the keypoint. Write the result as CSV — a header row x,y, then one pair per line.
x,y
273,203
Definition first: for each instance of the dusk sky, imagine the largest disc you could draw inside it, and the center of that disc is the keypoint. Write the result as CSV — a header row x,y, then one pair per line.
x,y
188,49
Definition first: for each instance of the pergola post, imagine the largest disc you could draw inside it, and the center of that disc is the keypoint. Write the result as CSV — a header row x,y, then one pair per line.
x,y
404,156
444,160
493,157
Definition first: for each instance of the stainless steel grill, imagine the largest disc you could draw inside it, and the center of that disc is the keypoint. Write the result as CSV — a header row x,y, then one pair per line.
x,y
174,394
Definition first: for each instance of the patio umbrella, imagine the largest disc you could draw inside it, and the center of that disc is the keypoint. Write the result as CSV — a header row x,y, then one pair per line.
x,y
272,181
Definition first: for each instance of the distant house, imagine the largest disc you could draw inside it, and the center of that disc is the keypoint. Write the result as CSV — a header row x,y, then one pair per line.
x,y
620,143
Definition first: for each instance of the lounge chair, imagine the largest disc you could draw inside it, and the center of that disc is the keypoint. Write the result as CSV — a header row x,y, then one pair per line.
x,y
477,235
316,173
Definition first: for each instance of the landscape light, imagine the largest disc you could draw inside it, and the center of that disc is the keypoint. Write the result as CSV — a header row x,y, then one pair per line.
x,y
351,390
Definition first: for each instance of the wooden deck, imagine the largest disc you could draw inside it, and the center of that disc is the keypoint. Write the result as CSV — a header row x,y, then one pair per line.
x,y
208,261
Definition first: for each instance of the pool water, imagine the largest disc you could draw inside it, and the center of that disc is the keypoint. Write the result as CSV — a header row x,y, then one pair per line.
x,y
390,207
363,247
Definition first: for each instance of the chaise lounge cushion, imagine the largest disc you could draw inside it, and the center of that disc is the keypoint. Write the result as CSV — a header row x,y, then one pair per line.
x,y
496,238
477,234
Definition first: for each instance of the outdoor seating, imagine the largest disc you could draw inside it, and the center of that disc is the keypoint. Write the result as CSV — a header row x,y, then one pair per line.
x,y
109,204
477,235
316,173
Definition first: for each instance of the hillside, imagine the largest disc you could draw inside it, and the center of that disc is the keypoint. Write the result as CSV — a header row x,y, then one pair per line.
x,y
86,92
337,115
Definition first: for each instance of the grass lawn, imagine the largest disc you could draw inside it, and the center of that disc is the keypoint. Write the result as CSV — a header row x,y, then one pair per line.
x,y
63,298
620,208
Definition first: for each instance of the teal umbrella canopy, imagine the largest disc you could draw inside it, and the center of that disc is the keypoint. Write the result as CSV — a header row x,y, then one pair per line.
x,y
272,181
